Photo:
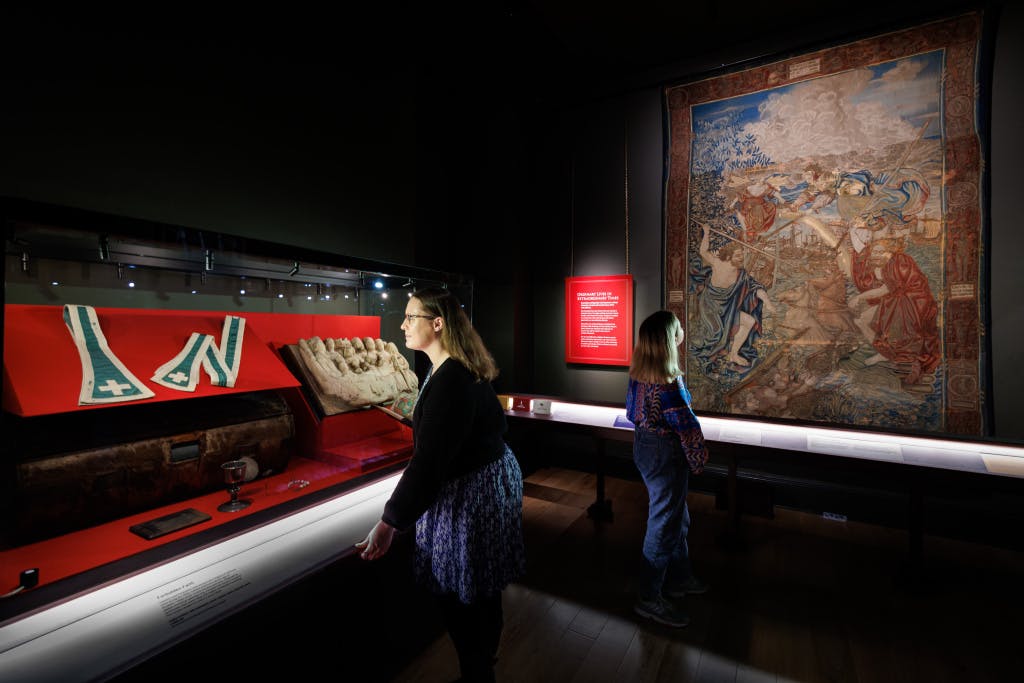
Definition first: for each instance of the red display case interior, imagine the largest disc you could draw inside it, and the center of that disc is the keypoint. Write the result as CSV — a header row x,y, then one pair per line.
x,y
42,374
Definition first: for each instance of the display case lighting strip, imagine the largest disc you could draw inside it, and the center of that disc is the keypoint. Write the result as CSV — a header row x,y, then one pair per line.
x,y
994,458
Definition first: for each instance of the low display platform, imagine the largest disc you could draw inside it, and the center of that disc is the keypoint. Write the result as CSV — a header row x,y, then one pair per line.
x,y
910,463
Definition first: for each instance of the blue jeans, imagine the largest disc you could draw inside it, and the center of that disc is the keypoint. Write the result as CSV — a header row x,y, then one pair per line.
x,y
666,474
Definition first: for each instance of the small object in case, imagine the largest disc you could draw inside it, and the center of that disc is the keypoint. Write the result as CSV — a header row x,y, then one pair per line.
x,y
522,403
542,406
175,521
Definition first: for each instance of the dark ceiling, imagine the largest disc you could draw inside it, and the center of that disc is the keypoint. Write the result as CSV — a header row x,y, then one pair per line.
x,y
533,48
588,47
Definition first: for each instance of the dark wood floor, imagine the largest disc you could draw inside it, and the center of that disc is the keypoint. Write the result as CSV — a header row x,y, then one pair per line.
x,y
803,599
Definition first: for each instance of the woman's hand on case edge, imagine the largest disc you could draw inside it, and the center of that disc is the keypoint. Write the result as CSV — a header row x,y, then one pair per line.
x,y
377,542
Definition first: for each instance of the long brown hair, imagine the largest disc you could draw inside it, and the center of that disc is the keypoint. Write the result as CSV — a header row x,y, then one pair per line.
x,y
656,356
458,336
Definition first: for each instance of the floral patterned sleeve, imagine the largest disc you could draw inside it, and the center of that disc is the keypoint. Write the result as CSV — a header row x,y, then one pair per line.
x,y
665,408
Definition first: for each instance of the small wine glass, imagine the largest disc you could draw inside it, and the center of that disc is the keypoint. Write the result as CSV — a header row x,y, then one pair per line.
x,y
234,474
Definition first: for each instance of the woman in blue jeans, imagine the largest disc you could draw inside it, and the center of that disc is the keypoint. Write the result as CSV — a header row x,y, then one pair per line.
x,y
668,445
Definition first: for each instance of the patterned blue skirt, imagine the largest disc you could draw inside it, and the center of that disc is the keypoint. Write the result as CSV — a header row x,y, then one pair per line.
x,y
470,542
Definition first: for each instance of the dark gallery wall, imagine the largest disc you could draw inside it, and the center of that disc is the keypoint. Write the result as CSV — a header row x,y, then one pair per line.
x,y
254,127
481,152
1007,245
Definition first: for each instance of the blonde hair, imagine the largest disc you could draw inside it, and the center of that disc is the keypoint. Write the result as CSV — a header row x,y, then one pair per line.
x,y
458,337
656,356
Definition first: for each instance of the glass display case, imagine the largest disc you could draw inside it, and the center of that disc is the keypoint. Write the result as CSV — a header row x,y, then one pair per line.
x,y
131,523
55,255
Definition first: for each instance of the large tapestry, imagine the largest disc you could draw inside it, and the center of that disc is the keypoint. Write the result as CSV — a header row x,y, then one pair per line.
x,y
825,222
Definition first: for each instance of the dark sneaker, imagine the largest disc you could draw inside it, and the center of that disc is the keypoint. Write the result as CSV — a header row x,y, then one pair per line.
x,y
662,611
692,585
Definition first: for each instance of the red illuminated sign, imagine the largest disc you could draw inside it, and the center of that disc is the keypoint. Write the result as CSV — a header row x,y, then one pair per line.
x,y
599,319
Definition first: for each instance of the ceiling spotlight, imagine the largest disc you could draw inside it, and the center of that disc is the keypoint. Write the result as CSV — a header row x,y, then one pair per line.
x,y
378,284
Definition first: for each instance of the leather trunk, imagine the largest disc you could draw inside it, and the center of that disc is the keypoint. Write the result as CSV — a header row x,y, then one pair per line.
x,y
70,471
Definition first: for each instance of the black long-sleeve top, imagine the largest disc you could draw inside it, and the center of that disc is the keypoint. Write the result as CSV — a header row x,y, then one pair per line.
x,y
458,426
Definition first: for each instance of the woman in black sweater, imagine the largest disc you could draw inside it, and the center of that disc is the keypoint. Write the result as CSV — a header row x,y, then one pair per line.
x,y
462,488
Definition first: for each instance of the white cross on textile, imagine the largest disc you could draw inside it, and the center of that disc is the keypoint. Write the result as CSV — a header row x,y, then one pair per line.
x,y
115,388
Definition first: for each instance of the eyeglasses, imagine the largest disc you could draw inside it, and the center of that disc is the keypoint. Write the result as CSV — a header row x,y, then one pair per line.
x,y
409,317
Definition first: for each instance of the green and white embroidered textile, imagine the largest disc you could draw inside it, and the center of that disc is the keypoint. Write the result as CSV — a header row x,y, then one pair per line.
x,y
220,362
105,379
